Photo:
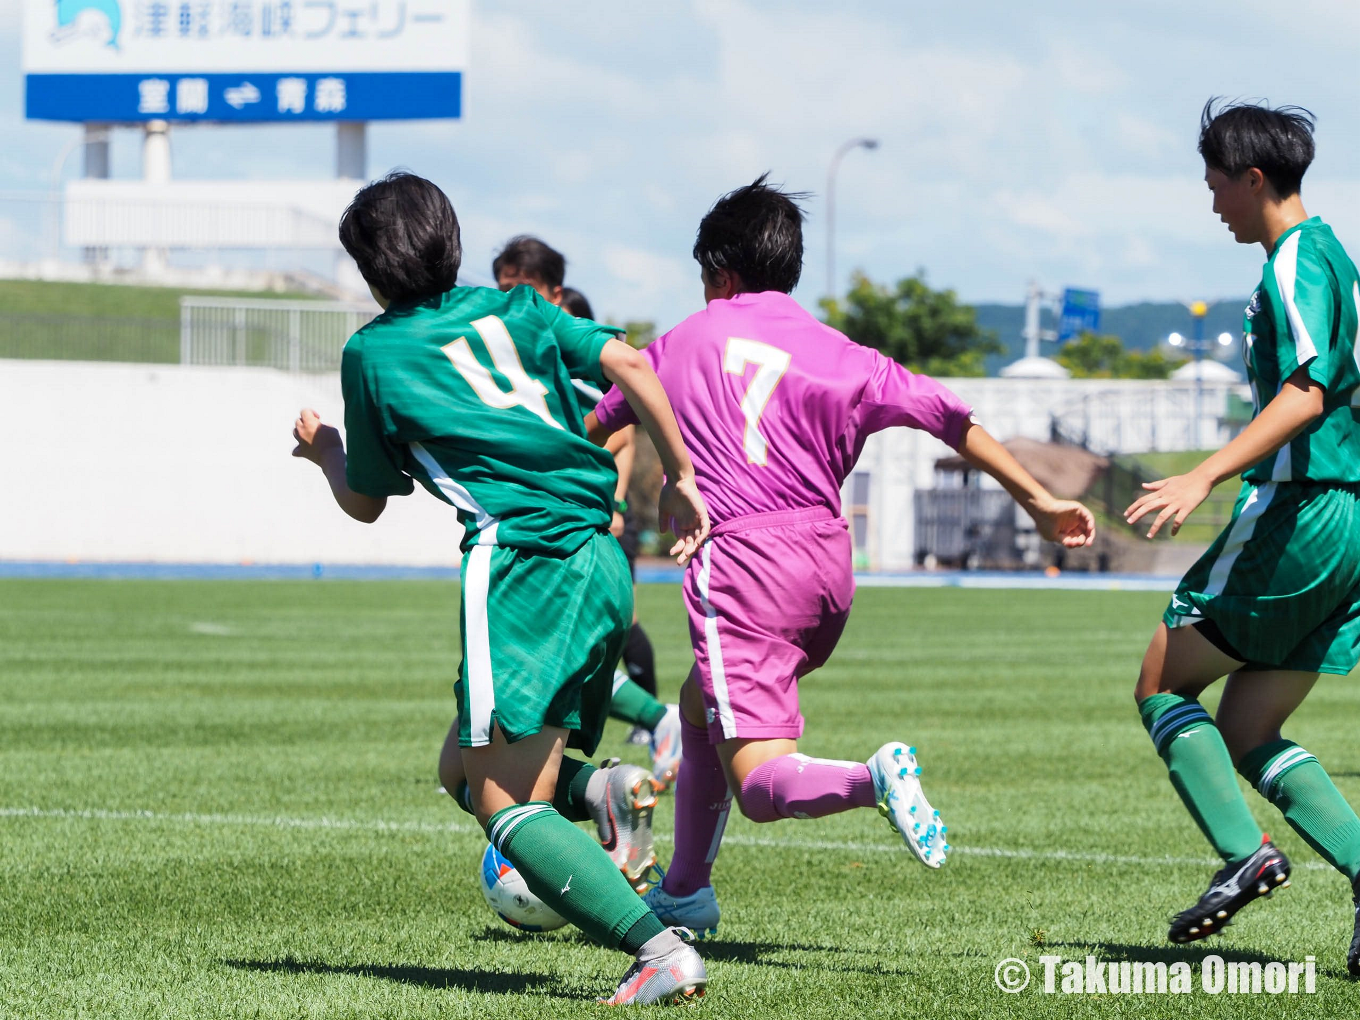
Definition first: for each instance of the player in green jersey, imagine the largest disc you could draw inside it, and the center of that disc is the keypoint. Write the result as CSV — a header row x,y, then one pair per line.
x,y
1275,601
530,262
469,391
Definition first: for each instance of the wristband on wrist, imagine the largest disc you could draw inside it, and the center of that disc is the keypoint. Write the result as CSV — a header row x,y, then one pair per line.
x,y
620,506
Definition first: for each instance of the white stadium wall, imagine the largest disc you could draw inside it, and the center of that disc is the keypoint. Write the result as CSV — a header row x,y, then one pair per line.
x,y
111,462
164,463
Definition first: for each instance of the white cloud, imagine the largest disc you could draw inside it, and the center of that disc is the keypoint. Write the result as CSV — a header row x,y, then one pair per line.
x,y
1051,140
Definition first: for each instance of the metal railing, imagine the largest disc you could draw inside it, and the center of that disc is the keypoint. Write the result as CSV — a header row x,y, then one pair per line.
x,y
969,528
1151,418
294,336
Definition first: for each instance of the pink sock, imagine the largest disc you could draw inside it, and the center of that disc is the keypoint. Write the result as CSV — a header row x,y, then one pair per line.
x,y
702,801
796,786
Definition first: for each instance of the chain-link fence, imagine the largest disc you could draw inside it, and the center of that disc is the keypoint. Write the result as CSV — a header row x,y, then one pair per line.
x,y
295,336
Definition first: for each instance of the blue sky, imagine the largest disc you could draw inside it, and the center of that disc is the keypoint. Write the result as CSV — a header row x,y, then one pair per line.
x,y
1052,140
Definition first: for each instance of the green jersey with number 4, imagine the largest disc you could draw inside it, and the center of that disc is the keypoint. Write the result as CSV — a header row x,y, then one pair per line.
x,y
471,393
1304,315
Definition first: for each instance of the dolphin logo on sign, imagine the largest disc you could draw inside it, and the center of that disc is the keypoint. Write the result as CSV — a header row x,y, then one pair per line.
x,y
99,19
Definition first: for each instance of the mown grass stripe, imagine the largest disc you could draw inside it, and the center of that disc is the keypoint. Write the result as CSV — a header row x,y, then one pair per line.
x,y
733,839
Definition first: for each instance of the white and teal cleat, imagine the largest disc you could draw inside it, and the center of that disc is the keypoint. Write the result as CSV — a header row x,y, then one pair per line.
x,y
897,788
698,911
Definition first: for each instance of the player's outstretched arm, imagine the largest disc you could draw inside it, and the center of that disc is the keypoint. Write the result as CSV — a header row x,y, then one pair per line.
x,y
681,507
1294,408
624,447
321,444
1058,520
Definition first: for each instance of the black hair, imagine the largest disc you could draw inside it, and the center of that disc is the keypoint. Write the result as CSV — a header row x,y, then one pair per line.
x,y
403,233
533,258
1238,136
575,302
757,233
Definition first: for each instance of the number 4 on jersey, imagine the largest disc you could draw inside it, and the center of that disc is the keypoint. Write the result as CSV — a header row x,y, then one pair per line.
x,y
524,391
771,364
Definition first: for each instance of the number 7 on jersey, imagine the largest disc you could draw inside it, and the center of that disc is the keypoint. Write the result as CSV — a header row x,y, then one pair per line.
x,y
771,364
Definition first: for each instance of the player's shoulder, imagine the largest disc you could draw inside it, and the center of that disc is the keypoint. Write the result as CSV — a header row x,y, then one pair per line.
x,y
1312,245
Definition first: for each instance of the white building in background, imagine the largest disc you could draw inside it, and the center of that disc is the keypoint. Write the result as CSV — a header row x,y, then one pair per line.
x,y
1109,416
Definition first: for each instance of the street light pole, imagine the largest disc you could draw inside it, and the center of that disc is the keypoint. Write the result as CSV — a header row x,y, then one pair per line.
x,y
854,143
1197,346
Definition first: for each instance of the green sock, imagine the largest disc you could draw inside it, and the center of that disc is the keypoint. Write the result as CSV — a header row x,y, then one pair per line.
x,y
463,797
632,704
1296,783
571,873
1202,773
569,799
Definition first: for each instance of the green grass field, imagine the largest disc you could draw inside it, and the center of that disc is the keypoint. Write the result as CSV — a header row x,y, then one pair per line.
x,y
96,321
219,800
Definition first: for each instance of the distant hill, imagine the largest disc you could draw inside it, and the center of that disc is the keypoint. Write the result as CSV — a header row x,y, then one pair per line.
x,y
1141,326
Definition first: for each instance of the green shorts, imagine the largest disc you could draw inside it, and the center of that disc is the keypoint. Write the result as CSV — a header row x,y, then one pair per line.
x,y
1282,583
541,637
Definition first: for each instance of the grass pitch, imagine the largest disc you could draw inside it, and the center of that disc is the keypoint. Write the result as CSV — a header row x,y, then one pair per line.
x,y
218,800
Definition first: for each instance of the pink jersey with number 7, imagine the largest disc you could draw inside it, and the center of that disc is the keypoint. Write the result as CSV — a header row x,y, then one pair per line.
x,y
775,406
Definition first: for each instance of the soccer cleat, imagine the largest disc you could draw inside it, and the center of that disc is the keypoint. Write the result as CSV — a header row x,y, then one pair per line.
x,y
698,911
897,788
1353,957
675,979
666,747
624,821
1232,888
639,736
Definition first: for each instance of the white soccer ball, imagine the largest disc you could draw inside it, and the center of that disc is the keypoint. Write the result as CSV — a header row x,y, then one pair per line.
x,y
507,894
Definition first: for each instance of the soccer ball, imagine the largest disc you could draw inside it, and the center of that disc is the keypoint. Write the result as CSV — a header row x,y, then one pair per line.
x,y
508,895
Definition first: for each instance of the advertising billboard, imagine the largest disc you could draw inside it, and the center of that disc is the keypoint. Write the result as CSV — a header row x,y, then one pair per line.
x,y
125,61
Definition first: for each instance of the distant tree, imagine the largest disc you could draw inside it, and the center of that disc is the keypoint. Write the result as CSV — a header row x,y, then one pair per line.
x,y
639,333
924,329
1102,356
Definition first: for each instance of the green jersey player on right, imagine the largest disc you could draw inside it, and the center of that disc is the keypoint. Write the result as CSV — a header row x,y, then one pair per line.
x,y
1275,601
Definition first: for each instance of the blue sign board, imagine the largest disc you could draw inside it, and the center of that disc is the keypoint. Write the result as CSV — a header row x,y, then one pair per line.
x,y
1080,313
250,98
243,60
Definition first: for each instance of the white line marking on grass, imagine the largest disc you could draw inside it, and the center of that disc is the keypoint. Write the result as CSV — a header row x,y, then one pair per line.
x,y
278,822
212,629
734,839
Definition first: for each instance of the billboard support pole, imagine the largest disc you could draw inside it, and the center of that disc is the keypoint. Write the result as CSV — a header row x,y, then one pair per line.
x,y
155,170
351,150
351,164
97,168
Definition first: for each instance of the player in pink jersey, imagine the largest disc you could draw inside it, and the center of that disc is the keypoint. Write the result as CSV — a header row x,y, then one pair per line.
x,y
775,408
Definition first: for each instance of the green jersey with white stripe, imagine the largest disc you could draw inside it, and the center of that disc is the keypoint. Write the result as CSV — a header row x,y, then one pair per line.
x,y
471,393
1306,314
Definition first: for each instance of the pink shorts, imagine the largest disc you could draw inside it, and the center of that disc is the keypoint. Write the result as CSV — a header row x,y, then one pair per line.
x,y
768,597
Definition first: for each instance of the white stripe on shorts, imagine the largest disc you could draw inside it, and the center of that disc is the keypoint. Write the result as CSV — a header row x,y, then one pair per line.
x,y
715,659
479,693
1239,536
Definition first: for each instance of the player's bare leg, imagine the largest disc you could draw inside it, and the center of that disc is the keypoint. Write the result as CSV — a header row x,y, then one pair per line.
x,y
512,786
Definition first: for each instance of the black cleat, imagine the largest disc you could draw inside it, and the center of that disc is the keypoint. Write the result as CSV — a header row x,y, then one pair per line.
x,y
1353,957
1233,888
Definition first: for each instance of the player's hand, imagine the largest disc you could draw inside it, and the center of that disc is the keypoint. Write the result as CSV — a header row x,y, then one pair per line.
x,y
616,525
681,510
1175,497
1065,521
314,439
